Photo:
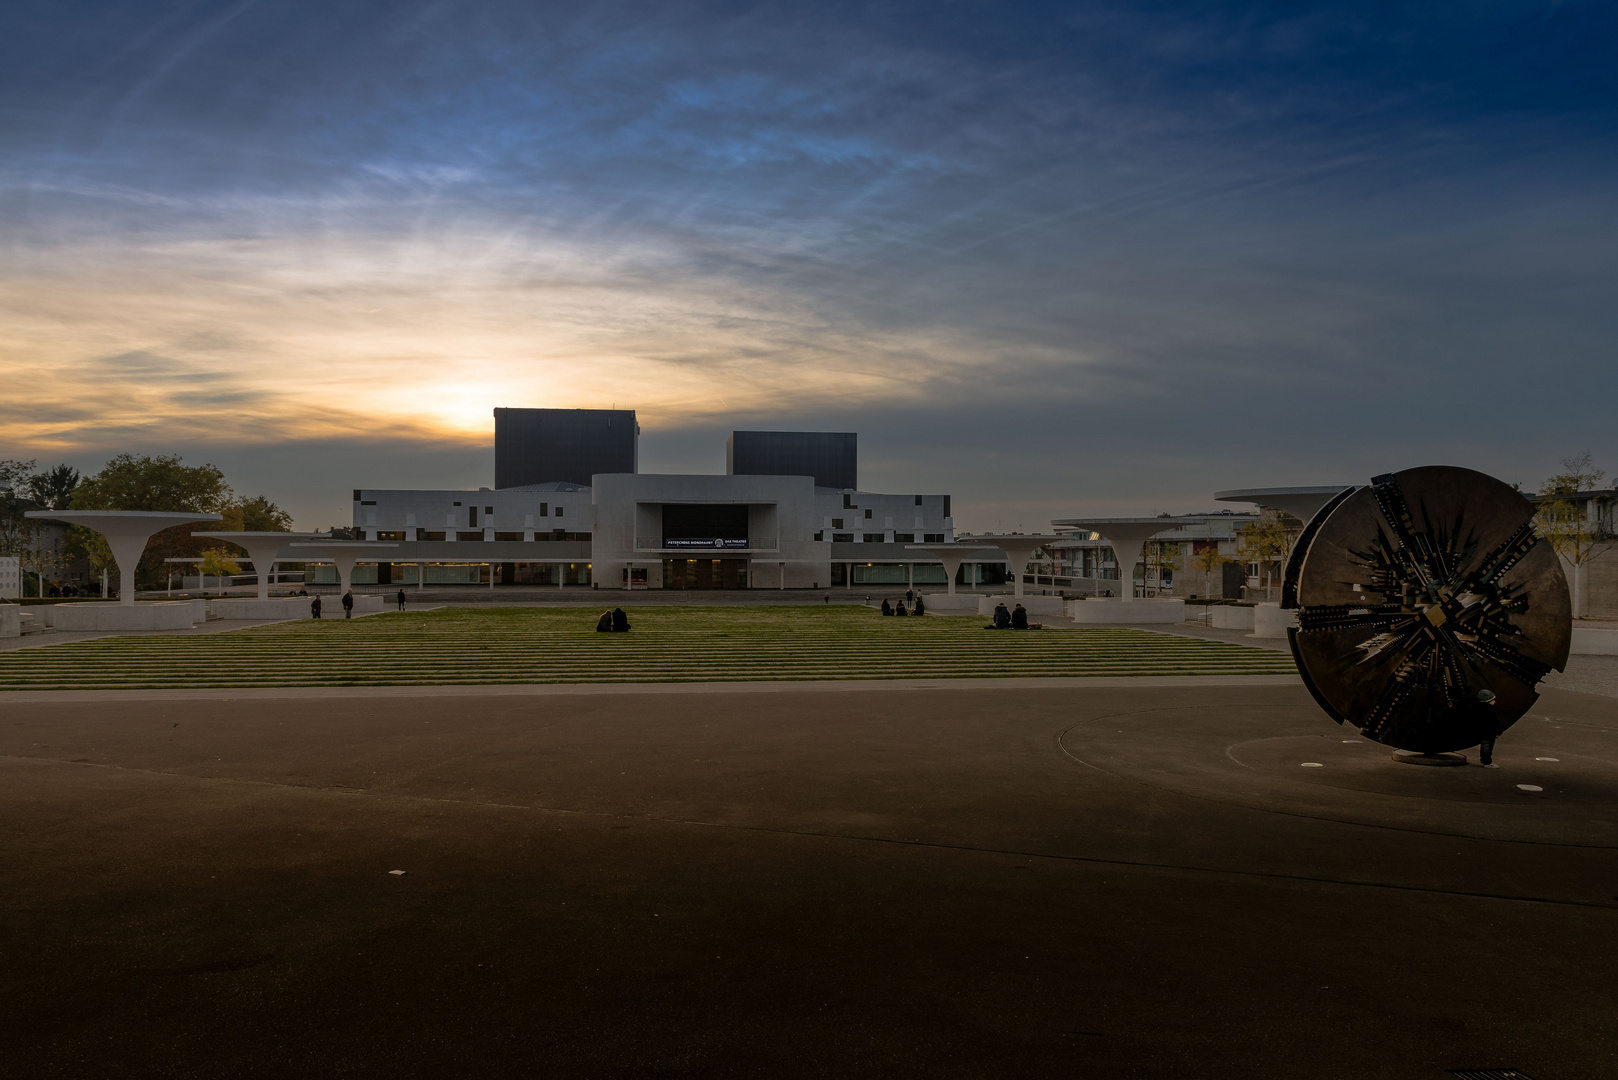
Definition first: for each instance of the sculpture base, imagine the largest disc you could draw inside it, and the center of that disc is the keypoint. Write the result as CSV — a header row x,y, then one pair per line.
x,y
1416,757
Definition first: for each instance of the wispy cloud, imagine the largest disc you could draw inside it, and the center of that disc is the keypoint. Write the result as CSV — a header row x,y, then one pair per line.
x,y
1154,253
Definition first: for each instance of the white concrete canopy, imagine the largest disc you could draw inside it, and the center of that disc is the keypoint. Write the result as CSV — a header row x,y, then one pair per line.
x,y
1019,551
345,553
953,555
127,532
1301,502
1126,537
262,549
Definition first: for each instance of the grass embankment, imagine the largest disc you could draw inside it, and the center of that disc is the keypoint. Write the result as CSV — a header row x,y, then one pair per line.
x,y
668,644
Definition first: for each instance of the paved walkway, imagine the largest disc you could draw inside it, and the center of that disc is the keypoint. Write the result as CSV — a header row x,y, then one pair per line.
x,y
951,882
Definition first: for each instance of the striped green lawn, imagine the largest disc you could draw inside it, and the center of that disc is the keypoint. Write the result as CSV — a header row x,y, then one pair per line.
x,y
668,644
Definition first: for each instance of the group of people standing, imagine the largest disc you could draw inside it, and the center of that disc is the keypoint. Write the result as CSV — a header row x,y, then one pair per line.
x,y
897,607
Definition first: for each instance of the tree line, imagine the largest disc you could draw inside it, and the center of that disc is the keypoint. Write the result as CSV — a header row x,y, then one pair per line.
x,y
127,482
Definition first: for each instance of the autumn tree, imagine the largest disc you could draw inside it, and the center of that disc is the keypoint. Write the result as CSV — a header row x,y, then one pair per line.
x,y
1565,522
144,482
1208,560
218,562
1267,542
16,530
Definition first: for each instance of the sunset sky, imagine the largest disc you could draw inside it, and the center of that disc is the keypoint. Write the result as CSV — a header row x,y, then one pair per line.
x,y
1064,259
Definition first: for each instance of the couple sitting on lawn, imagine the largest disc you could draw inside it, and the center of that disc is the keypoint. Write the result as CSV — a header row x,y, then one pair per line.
x,y
1009,620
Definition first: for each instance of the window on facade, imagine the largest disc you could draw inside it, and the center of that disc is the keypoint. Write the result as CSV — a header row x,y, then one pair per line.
x,y
422,535
390,535
819,535
471,517
848,502
842,538
507,536
873,538
867,515
918,500
469,536
367,502
837,523
457,504
558,511
904,538
488,509
544,509
933,538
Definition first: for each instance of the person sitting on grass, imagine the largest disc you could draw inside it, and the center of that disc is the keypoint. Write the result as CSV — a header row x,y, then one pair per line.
x,y
887,608
1019,618
620,621
1002,618
899,608
604,624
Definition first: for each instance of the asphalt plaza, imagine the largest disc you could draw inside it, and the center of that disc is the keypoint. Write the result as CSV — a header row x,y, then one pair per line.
x,y
1108,877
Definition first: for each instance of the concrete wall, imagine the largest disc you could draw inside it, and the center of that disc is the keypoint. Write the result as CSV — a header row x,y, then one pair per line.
x,y
1094,612
10,621
10,577
1598,581
1594,642
1229,617
126,618
1034,605
1269,621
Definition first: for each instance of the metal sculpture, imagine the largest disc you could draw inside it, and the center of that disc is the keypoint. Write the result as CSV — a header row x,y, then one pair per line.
x,y
1428,608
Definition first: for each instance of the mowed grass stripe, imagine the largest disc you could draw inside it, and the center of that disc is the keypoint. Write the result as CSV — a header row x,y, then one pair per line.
x,y
481,646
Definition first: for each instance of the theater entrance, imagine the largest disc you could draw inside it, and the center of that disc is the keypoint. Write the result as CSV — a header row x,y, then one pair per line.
x,y
704,573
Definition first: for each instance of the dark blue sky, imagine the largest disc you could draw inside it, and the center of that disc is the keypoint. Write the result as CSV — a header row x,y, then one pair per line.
x,y
1053,259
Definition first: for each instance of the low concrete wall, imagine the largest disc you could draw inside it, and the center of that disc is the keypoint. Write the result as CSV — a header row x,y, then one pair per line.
x,y
10,621
1034,605
1228,617
251,607
944,604
1119,612
121,618
1269,621
1593,642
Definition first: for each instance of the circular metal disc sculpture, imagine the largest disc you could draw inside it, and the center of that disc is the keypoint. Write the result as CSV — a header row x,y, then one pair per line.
x,y
1416,594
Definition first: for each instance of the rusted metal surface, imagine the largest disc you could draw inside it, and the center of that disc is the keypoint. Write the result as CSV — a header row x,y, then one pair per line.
x,y
1416,594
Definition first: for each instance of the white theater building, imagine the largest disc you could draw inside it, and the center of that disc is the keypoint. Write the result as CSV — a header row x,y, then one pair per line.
x,y
640,530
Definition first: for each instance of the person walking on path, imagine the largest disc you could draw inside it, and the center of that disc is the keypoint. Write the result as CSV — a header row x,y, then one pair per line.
x,y
401,599
348,604
827,598
314,608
